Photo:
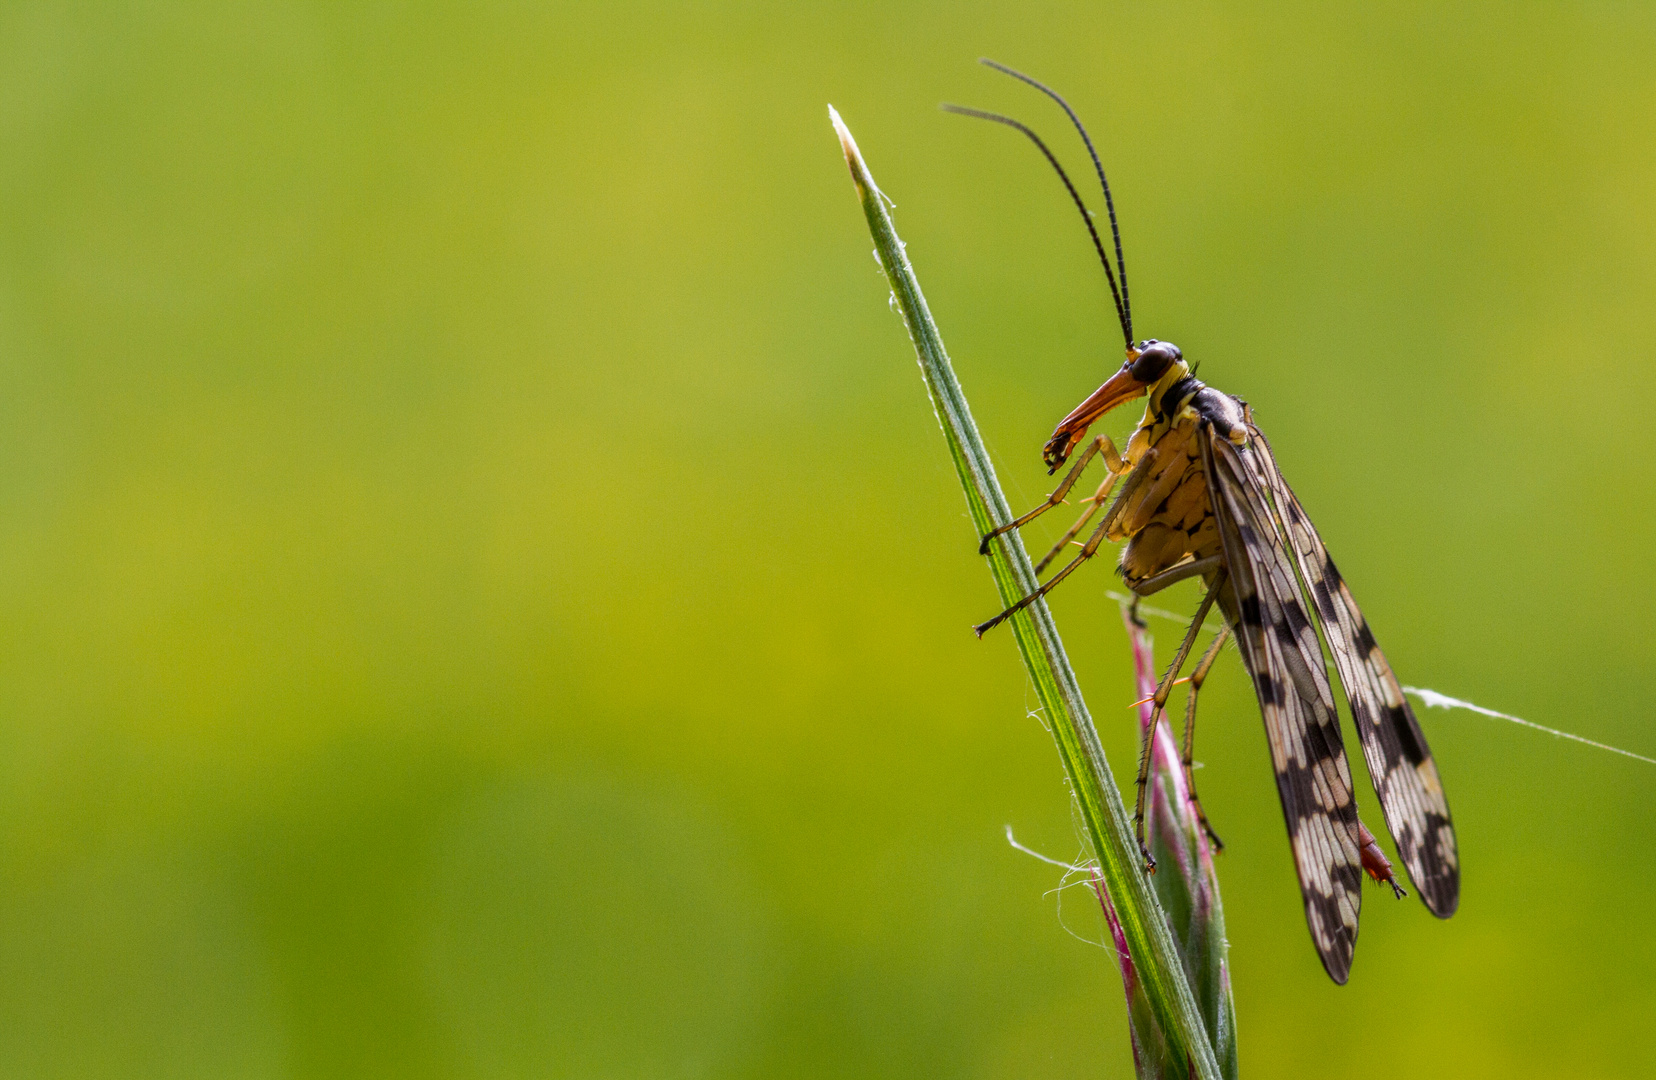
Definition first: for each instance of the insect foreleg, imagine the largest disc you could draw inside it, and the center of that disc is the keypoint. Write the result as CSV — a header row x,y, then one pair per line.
x,y
1087,552
1112,461
1093,501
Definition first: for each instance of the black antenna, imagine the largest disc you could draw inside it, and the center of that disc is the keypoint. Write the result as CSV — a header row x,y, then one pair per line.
x,y
1098,166
1098,245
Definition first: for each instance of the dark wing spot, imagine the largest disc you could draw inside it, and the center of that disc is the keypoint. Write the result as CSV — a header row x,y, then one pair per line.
x,y
1297,621
1325,601
1399,717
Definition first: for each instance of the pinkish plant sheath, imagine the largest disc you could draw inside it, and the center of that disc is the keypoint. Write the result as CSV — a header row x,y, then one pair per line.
x,y
1187,885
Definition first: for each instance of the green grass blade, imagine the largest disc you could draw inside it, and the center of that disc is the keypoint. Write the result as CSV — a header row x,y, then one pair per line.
x,y
1155,955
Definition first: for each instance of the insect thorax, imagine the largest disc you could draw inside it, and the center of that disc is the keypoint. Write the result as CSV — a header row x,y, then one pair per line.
x,y
1163,511
1179,397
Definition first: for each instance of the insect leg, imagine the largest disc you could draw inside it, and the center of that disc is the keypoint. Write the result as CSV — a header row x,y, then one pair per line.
x,y
1112,461
1155,583
1159,699
1094,501
1087,552
1188,758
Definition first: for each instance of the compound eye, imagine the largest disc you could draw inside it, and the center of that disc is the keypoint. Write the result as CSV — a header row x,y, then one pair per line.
x,y
1154,359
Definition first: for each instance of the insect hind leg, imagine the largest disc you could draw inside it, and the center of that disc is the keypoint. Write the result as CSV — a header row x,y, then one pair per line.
x,y
1187,758
1159,706
1155,583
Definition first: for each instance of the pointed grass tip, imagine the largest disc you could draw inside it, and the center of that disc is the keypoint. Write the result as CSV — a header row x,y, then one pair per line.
x,y
848,145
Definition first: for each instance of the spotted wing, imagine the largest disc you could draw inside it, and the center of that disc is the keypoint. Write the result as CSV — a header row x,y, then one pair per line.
x,y
1399,762
1263,604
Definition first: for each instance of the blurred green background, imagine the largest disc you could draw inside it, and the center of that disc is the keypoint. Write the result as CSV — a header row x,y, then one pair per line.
x,y
483,594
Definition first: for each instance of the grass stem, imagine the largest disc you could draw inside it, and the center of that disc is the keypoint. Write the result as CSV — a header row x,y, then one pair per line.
x,y
1142,926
